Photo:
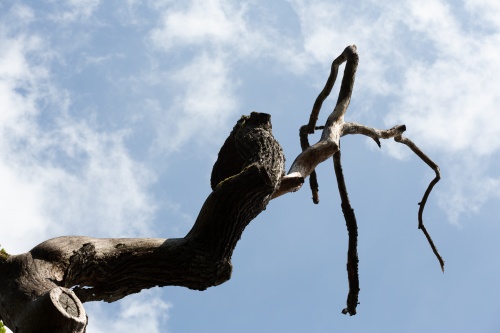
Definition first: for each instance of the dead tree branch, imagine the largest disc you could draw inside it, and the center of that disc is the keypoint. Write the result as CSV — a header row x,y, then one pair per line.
x,y
43,290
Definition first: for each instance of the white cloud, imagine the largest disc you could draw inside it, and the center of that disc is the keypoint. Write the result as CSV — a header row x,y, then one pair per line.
x,y
213,23
205,86
144,310
471,185
450,103
452,100
201,21
20,198
21,207
98,183
23,13
327,28
75,10
204,104
486,12
224,35
63,176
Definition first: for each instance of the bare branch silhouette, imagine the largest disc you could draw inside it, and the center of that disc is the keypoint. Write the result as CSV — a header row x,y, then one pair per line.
x,y
43,290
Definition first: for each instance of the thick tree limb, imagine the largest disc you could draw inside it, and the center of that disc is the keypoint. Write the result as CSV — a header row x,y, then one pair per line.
x,y
110,269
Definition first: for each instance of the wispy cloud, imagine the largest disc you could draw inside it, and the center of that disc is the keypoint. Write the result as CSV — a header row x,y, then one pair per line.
x,y
199,22
204,103
205,86
450,100
471,185
217,24
326,28
23,13
484,12
225,34
74,10
60,174
148,311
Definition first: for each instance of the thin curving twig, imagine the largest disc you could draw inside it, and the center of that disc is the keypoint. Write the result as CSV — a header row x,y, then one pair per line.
x,y
422,203
396,133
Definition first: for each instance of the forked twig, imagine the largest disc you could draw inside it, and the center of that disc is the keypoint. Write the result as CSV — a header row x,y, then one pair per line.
x,y
326,91
310,127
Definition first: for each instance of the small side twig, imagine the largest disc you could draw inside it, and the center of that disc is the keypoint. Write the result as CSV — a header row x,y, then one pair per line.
x,y
352,230
313,178
422,203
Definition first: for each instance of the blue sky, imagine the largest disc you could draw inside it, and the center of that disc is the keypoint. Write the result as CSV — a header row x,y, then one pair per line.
x,y
112,114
